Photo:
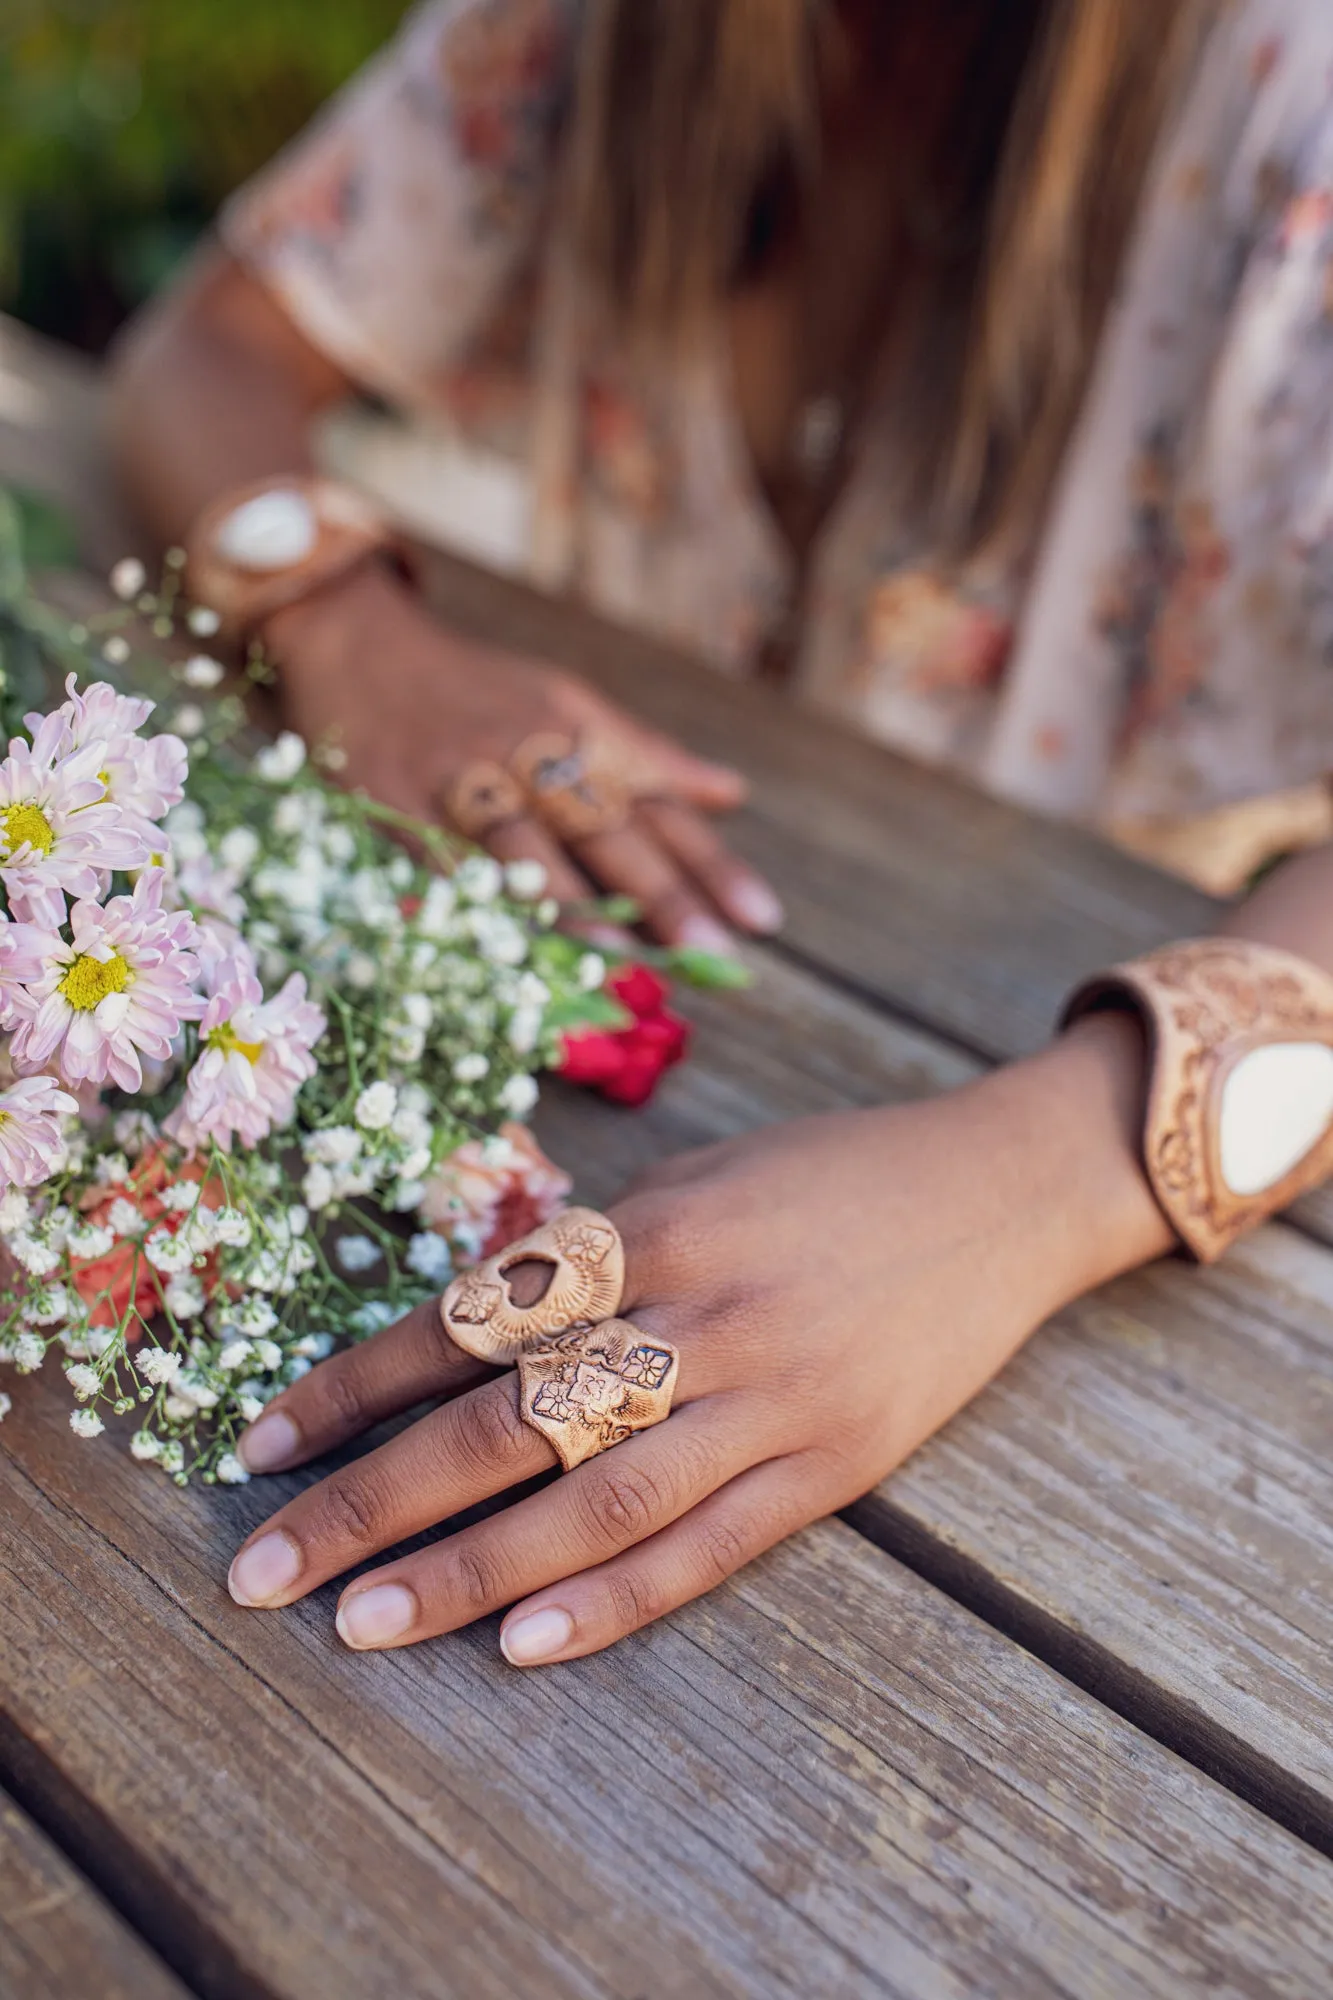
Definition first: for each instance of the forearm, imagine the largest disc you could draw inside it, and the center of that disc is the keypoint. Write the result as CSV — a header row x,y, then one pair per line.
x,y
211,388
1292,909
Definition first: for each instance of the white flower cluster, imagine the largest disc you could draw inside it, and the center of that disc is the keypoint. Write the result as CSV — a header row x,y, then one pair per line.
x,y
306,1036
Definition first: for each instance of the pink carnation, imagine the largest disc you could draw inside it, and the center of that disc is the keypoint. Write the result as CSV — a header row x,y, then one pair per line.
x,y
254,1056
493,1190
123,986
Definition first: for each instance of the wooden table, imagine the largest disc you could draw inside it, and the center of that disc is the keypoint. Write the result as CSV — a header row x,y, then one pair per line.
x,y
1049,1713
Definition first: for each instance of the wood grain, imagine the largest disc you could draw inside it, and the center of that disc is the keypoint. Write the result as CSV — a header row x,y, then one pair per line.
x,y
825,1779
58,1939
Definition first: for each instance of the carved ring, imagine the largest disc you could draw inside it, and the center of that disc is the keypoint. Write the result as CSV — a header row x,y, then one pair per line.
x,y
586,1284
593,1387
483,797
578,795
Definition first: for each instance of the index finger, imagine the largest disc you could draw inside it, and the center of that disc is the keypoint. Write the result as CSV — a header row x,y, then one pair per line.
x,y
404,1364
466,1451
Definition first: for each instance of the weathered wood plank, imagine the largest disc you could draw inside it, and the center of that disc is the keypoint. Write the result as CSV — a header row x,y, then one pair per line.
x,y
58,1939
1146,1494
827,1778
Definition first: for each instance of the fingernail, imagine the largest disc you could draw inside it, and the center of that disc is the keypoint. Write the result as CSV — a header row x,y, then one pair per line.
x,y
373,1617
607,937
755,905
537,1636
702,934
271,1442
265,1570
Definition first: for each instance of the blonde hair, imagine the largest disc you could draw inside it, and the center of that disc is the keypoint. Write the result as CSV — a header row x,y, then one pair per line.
x,y
692,113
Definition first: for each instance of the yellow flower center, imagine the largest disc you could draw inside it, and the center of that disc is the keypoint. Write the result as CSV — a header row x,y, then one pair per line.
x,y
226,1039
27,822
89,980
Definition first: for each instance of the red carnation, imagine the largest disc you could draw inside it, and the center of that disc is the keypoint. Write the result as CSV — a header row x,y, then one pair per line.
x,y
624,1064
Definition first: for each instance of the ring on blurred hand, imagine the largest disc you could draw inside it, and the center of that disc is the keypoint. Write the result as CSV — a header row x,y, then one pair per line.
x,y
584,1283
593,1387
578,795
483,797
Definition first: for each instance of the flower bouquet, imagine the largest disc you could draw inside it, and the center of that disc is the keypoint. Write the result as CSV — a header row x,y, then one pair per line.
x,y
264,1070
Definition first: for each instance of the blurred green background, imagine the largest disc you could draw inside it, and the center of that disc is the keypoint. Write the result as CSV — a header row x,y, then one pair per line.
x,y
123,124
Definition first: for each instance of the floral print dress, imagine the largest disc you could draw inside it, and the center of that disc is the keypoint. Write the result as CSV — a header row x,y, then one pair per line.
x,y
1163,654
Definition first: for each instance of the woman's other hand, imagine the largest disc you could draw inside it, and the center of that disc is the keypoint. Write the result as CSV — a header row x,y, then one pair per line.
x,y
414,707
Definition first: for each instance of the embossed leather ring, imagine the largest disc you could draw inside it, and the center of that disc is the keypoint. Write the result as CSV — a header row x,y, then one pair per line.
x,y
587,1380
577,793
484,797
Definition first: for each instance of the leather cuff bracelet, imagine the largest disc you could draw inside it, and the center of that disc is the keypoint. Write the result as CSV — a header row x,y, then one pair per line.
x,y
1240,1091
263,547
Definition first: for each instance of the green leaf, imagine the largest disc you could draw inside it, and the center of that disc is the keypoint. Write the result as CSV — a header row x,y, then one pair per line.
x,y
708,968
617,910
587,1010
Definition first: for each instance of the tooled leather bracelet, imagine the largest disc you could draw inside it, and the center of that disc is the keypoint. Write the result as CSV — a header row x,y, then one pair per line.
x,y
262,547
1240,1094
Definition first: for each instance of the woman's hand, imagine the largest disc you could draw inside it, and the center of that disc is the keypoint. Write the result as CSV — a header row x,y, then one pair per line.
x,y
413,706
836,1289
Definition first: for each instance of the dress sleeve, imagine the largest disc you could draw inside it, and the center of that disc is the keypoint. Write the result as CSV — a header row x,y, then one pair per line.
x,y
391,228
1243,651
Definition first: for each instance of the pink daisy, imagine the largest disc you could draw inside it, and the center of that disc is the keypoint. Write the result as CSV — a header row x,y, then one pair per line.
x,y
123,985
144,776
31,1143
254,1056
58,830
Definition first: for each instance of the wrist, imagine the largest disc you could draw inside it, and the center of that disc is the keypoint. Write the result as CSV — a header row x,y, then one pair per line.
x,y
1077,1110
342,621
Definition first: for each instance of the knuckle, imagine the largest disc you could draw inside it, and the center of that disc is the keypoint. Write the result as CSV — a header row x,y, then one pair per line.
x,y
351,1509
723,1548
491,1430
671,903
343,1395
669,1243
622,1504
478,1579
634,1599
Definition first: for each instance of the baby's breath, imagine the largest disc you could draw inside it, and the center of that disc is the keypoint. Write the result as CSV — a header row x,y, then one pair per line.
x,y
189,1272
